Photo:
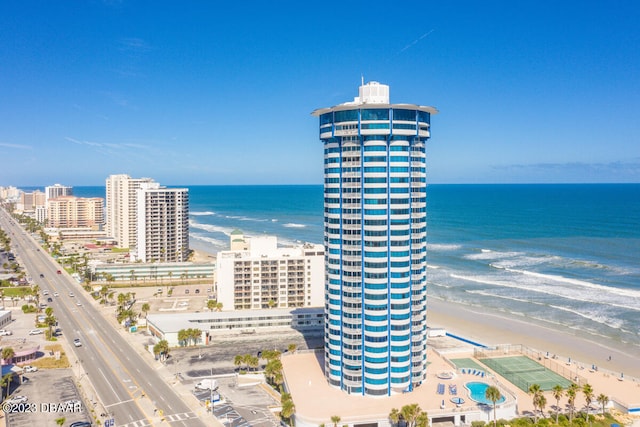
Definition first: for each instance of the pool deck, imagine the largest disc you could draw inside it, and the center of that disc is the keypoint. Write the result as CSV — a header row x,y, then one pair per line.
x,y
317,402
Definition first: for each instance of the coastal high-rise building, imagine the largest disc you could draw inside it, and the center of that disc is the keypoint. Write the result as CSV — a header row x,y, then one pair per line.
x,y
122,208
57,190
257,274
163,223
75,212
375,242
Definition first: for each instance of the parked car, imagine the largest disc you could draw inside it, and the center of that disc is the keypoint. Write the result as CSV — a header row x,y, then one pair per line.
x,y
45,292
77,342
35,332
71,294
59,272
4,332
17,399
80,424
29,368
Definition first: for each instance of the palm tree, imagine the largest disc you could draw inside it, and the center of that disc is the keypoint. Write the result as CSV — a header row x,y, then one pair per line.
x,y
571,397
7,355
288,408
394,416
587,390
540,401
145,307
410,413
60,421
422,420
335,419
535,391
6,382
493,394
557,394
602,399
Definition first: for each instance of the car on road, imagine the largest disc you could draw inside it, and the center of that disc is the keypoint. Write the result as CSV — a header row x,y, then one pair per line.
x,y
45,292
59,272
17,399
29,368
41,276
71,294
55,294
36,332
4,332
79,304
49,300
77,342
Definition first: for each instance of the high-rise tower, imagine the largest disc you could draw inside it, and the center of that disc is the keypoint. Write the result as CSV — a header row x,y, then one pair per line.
x,y
375,242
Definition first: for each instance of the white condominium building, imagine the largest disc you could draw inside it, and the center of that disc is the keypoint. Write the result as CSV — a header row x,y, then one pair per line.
x,y
265,276
163,223
122,208
57,190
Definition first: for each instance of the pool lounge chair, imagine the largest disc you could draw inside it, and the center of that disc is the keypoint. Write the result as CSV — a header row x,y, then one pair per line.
x,y
440,388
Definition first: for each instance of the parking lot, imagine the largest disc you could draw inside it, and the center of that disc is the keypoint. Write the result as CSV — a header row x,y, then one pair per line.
x,y
51,394
240,405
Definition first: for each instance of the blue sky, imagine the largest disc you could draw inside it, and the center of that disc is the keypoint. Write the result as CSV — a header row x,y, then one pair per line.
x,y
221,93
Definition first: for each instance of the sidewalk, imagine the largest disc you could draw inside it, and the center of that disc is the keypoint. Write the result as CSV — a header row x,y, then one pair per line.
x,y
152,412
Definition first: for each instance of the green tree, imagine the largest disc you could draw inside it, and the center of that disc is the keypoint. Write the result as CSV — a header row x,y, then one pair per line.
x,y
394,416
558,391
145,307
161,349
60,421
571,399
493,394
7,354
288,408
410,413
6,382
535,391
335,419
587,390
603,399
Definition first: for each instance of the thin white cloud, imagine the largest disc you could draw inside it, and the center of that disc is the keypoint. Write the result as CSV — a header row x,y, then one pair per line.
x,y
111,145
16,146
413,43
134,44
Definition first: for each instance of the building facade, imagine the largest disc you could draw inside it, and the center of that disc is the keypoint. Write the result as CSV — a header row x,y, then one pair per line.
x,y
265,276
75,212
57,190
163,223
375,242
121,210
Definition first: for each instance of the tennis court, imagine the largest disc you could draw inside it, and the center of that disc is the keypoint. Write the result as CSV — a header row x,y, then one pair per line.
x,y
523,372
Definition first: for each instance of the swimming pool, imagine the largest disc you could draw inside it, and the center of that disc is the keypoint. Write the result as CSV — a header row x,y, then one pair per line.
x,y
477,392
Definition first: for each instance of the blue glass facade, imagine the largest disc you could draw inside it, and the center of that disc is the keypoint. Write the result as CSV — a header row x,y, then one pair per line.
x,y
375,241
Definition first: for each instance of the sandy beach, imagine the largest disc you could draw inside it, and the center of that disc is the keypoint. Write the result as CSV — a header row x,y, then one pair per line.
x,y
494,328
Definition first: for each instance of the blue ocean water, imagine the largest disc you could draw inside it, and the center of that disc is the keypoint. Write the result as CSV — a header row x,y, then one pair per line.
x,y
566,255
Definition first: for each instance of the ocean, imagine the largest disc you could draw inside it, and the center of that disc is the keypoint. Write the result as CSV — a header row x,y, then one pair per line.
x,y
566,256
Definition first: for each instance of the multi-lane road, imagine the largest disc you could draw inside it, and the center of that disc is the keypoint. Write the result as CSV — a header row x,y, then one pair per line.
x,y
130,390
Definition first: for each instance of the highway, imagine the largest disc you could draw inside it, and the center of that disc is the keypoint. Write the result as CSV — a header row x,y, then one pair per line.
x,y
127,386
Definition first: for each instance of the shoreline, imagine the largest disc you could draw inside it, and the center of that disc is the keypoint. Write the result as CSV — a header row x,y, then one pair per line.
x,y
492,328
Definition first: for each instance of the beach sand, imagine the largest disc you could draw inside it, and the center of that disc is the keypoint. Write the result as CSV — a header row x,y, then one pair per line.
x,y
494,328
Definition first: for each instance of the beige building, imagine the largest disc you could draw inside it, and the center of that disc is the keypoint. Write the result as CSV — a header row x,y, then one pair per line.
x,y
262,275
163,223
75,212
121,210
28,202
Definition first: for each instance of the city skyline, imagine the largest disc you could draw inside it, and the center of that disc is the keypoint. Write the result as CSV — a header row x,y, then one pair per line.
x,y
533,92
